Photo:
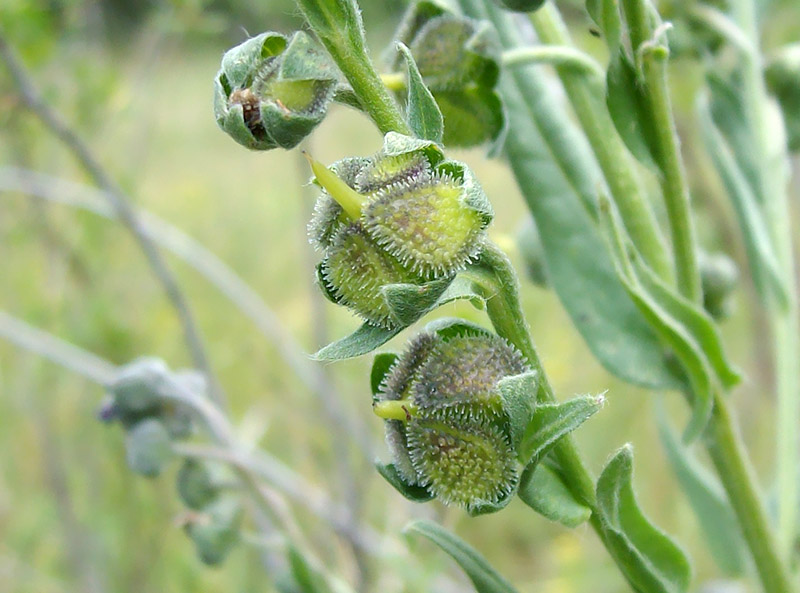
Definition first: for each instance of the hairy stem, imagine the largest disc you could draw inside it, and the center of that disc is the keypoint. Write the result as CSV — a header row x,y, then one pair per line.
x,y
565,57
615,161
667,147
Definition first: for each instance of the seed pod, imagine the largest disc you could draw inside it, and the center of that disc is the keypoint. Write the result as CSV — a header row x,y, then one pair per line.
x,y
406,217
148,448
455,436
195,485
459,60
273,90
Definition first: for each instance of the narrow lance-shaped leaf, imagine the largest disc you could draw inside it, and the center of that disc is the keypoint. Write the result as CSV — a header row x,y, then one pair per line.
x,y
423,114
649,559
707,498
307,578
485,578
542,489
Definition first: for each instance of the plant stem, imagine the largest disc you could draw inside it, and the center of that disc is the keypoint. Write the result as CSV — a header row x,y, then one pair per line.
x,y
784,318
729,457
572,59
615,161
337,23
667,147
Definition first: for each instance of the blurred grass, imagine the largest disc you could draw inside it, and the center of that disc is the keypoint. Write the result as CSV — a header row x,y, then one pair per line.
x,y
72,517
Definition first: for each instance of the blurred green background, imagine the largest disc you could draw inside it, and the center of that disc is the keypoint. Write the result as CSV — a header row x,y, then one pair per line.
x,y
134,79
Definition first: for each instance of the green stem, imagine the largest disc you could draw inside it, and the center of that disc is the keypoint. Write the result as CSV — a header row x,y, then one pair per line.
x,y
667,147
784,318
566,57
729,457
615,161
337,23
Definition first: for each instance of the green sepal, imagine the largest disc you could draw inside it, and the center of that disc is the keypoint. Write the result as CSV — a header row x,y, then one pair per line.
x,y
629,109
519,397
484,508
648,558
484,578
708,501
287,129
147,447
239,63
550,422
472,116
412,492
215,532
395,144
409,302
422,112
450,327
304,59
543,490
605,13
473,195
381,365
324,287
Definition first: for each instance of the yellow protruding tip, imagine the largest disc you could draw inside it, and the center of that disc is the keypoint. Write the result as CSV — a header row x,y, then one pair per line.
x,y
349,199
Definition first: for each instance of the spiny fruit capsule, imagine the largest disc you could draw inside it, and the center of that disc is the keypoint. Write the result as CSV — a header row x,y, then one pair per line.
x,y
403,216
273,90
445,422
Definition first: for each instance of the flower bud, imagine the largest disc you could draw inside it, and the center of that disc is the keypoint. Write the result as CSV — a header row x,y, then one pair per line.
x,y
404,216
135,389
273,90
195,485
148,447
446,426
718,275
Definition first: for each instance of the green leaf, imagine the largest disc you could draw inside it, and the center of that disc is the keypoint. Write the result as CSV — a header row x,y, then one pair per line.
x,y
380,368
519,396
629,110
550,422
472,115
485,578
606,14
559,177
362,341
423,114
306,577
708,501
738,182
409,302
542,489
649,559
674,334
411,492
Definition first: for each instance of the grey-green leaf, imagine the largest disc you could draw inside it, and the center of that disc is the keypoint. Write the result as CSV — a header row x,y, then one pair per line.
x,y
542,489
708,500
410,491
627,105
485,578
362,341
649,559
423,113
381,365
519,396
550,422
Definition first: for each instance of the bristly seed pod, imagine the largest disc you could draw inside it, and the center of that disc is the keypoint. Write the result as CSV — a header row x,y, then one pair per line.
x,y
273,90
446,426
404,216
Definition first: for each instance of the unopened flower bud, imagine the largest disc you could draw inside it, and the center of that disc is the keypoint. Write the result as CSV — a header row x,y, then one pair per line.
x,y
148,447
446,426
135,389
195,484
273,90
404,216
718,275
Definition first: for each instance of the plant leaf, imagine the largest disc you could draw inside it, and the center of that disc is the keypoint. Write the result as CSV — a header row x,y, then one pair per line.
x,y
628,107
485,578
409,302
649,559
707,498
519,396
423,114
307,579
744,197
542,489
550,422
362,341
411,492
380,368
606,14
